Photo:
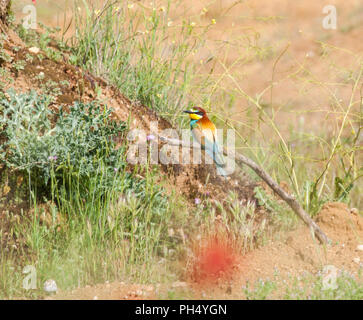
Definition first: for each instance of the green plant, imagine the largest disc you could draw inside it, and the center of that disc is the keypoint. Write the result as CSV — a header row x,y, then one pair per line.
x,y
138,51
311,287
281,214
50,87
261,291
4,57
29,58
101,217
19,65
76,140
237,220
43,40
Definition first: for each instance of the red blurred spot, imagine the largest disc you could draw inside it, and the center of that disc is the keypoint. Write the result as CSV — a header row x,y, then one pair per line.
x,y
214,259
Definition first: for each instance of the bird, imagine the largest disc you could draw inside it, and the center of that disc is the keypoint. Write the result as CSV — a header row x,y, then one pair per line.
x,y
204,133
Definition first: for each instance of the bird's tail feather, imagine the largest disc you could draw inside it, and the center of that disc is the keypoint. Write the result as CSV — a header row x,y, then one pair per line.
x,y
221,171
218,159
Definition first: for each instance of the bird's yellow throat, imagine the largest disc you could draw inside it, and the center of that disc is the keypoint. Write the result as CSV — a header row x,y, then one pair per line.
x,y
194,116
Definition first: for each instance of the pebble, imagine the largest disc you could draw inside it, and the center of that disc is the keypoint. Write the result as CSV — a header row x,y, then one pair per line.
x,y
354,211
50,286
34,50
360,247
356,260
95,298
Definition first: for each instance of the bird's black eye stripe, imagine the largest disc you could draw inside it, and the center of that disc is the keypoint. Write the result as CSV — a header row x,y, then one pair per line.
x,y
199,113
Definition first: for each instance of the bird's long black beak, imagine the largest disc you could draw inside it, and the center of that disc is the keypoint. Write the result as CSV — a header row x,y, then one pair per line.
x,y
188,111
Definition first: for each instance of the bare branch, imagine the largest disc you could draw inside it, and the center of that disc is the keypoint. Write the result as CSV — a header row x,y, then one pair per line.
x,y
289,199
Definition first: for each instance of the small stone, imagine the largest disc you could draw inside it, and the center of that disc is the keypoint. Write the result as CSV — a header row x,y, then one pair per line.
x,y
50,286
356,260
360,247
354,211
34,50
95,298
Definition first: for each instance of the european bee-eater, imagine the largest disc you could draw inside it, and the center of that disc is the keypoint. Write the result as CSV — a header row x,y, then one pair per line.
x,y
204,132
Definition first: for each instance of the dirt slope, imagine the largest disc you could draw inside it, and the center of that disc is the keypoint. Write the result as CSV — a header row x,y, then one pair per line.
x,y
298,252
